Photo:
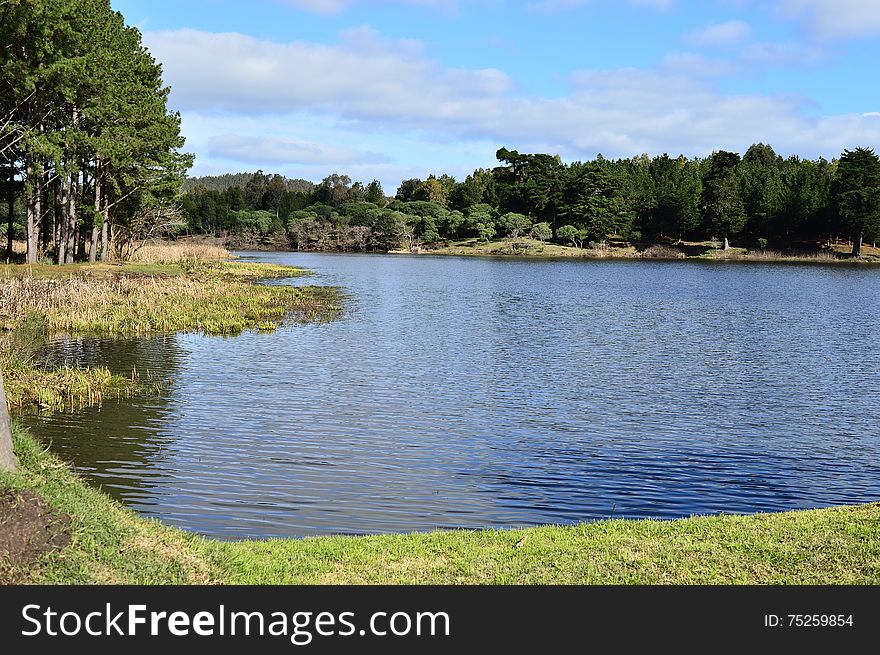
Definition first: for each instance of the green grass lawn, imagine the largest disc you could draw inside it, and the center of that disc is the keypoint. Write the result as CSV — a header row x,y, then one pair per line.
x,y
111,544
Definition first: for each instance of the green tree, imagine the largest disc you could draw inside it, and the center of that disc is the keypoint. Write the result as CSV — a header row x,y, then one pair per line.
x,y
571,234
515,224
856,195
722,205
641,191
678,187
431,190
804,212
594,200
761,188
478,219
374,194
485,231
407,190
542,231
529,183
479,187
333,190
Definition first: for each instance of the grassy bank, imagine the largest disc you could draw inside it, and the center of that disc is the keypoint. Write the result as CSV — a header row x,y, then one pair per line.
x,y
110,544
700,251
217,298
167,289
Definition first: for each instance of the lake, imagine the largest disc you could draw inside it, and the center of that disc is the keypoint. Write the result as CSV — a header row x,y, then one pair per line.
x,y
471,393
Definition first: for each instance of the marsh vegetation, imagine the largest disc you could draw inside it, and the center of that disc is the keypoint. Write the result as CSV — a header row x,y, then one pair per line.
x,y
170,288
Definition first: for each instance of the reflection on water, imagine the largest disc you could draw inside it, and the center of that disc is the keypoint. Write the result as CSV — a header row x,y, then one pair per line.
x,y
473,393
121,444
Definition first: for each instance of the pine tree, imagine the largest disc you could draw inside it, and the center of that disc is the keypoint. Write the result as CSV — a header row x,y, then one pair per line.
x,y
856,195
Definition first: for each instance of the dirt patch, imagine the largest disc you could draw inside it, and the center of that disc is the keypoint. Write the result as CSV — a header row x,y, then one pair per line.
x,y
28,529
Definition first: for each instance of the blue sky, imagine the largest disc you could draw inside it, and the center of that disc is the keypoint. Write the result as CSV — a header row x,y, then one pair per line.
x,y
392,89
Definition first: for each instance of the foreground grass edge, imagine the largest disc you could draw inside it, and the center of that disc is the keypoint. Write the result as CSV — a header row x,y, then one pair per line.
x,y
112,545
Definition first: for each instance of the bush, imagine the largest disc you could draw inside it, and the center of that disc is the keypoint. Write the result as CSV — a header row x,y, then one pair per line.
x,y
542,232
661,251
515,224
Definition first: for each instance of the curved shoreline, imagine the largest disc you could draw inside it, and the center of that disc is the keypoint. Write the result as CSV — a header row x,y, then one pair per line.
x,y
110,544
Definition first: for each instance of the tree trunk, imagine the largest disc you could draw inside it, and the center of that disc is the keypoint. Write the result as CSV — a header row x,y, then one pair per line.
x,y
34,210
10,220
60,221
93,243
105,229
44,220
857,246
71,221
50,231
79,241
93,246
8,460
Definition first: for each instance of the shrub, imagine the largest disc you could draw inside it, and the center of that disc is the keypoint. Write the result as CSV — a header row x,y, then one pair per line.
x,y
662,251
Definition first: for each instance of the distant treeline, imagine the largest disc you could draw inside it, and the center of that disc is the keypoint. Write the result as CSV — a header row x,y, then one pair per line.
x,y
229,180
759,199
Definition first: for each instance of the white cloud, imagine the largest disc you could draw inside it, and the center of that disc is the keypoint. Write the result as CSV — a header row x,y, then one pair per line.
x,y
326,7
834,19
553,6
721,35
661,5
785,53
258,149
696,65
363,76
330,7
327,106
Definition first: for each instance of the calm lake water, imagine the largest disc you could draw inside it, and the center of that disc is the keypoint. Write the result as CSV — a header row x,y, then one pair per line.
x,y
466,393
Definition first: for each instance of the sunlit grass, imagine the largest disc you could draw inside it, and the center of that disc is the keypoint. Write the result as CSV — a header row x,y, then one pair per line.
x,y
175,252
743,254
32,389
211,297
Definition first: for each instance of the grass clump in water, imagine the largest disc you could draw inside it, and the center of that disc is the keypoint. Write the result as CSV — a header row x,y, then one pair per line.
x,y
33,387
211,297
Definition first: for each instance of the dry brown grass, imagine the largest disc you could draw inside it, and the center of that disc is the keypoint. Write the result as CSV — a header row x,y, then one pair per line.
x,y
210,298
777,256
662,251
175,252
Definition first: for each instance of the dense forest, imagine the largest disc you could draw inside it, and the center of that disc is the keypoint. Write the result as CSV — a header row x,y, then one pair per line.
x,y
759,199
229,180
89,153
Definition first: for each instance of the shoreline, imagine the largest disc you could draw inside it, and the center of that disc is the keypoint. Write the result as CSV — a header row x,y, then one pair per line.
x,y
89,538
531,250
